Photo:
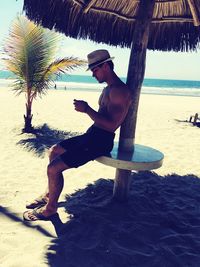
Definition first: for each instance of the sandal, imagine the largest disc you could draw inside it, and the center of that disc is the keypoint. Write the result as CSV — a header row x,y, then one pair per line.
x,y
36,215
38,202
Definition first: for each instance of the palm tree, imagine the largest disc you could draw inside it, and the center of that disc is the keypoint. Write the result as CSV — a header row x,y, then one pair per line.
x,y
30,54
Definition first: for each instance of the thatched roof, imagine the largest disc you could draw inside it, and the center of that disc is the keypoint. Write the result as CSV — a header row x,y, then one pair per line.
x,y
175,23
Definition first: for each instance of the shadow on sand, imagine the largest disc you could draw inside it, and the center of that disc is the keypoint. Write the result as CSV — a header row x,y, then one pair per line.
x,y
18,218
197,124
158,226
43,138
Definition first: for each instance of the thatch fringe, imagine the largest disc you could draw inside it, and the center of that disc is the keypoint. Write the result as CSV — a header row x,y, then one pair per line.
x,y
113,22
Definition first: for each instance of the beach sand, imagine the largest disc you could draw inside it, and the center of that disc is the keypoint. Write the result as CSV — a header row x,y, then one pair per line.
x,y
158,226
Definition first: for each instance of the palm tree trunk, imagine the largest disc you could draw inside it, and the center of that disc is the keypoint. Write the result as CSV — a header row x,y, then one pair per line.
x,y
28,128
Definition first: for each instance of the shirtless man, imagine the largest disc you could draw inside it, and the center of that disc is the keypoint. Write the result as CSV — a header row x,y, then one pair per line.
x,y
114,103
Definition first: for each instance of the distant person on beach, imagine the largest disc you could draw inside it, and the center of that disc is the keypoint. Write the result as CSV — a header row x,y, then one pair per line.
x,y
98,140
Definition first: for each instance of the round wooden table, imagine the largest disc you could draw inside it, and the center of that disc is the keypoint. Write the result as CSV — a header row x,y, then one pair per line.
x,y
142,158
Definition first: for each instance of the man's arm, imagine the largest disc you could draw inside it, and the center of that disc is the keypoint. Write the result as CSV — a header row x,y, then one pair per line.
x,y
98,118
110,120
116,109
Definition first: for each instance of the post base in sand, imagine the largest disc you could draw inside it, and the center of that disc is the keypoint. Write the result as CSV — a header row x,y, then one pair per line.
x,y
121,184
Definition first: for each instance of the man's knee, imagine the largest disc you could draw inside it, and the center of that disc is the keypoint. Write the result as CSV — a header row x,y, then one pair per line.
x,y
55,150
52,150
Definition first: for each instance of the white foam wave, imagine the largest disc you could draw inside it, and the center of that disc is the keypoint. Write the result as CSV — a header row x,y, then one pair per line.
x,y
171,91
71,85
98,87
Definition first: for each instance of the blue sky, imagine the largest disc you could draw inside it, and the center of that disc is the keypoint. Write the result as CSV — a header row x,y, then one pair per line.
x,y
164,65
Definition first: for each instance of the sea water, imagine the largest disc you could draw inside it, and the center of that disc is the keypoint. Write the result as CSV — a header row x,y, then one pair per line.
x,y
88,83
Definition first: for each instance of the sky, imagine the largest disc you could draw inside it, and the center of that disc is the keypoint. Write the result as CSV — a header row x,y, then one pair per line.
x,y
159,65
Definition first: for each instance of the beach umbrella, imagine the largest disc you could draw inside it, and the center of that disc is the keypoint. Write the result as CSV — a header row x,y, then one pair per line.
x,y
167,25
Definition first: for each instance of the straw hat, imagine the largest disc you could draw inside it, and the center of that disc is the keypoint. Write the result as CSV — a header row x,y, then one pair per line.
x,y
98,57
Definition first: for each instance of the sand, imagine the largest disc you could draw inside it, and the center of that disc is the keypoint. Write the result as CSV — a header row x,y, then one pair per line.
x,y
158,226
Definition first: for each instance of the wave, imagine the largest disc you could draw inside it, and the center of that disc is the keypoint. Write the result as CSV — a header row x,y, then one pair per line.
x,y
80,86
171,91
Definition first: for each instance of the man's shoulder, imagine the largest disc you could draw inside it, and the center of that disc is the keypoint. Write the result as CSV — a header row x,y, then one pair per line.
x,y
120,88
120,94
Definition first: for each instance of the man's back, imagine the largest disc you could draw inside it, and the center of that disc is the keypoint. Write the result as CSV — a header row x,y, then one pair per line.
x,y
114,103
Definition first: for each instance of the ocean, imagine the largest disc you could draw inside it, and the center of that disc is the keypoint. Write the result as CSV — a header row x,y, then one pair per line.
x,y
84,82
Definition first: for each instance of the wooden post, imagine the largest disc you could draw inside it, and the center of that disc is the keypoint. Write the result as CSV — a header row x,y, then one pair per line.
x,y
194,12
121,186
134,80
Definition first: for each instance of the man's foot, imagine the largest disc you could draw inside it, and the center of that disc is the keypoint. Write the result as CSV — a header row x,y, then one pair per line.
x,y
38,202
39,213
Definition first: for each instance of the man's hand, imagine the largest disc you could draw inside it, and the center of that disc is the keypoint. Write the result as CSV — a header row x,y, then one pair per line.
x,y
80,105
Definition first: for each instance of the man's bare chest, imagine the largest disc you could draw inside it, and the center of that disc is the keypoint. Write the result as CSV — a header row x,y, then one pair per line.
x,y
104,99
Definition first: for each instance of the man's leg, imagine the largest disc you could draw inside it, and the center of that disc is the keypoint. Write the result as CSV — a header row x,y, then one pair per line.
x,y
55,185
54,152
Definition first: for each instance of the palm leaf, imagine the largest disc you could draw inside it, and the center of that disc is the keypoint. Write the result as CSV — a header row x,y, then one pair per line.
x,y
30,50
30,54
63,65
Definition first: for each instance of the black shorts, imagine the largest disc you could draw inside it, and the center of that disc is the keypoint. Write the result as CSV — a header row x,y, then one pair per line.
x,y
80,149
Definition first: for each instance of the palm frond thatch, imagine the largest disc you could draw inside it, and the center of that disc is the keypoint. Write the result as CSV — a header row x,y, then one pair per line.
x,y
175,23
